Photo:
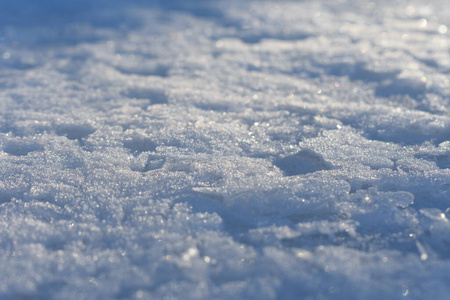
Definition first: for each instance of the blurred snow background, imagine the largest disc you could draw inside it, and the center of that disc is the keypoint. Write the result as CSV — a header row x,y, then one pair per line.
x,y
224,149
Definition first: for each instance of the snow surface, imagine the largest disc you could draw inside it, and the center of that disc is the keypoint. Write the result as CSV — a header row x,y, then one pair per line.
x,y
224,149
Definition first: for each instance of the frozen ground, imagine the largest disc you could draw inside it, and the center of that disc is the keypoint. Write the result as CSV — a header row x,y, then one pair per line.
x,y
224,149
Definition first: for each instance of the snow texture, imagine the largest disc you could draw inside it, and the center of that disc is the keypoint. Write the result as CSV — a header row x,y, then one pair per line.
x,y
224,149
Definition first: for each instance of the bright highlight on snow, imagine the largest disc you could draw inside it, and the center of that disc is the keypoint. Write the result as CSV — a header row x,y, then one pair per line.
x,y
224,149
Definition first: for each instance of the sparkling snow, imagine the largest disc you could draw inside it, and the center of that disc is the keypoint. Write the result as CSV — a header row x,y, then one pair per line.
x,y
224,149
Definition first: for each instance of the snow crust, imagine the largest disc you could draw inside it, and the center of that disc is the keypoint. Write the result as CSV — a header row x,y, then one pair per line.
x,y
224,149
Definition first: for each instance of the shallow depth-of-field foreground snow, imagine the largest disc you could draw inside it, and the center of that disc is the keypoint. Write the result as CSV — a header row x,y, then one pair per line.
x,y
224,149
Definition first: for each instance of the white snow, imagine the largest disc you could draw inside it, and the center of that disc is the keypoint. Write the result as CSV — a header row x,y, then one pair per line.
x,y
224,149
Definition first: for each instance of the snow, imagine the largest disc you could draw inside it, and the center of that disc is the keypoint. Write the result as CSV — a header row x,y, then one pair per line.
x,y
224,149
